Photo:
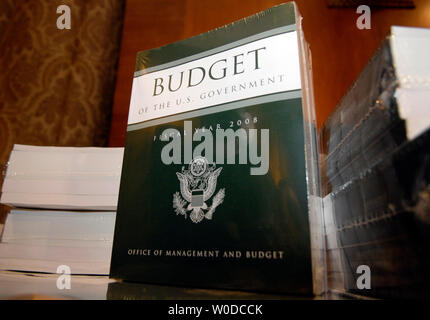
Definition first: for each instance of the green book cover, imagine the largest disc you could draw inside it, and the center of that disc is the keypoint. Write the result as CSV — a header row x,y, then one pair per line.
x,y
214,188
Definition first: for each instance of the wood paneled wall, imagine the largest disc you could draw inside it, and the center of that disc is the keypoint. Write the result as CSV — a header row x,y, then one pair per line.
x,y
339,49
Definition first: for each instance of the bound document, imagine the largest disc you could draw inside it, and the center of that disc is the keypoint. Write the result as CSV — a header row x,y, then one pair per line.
x,y
219,183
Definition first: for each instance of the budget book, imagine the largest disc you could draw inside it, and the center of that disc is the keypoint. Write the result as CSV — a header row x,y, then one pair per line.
x,y
220,184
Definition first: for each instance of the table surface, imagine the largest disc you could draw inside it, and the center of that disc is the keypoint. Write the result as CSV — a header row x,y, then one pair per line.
x,y
24,285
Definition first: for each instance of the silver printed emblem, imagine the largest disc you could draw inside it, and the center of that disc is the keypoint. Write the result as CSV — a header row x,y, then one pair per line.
x,y
198,184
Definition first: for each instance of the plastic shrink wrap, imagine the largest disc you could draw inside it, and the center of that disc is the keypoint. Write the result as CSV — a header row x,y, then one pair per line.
x,y
375,161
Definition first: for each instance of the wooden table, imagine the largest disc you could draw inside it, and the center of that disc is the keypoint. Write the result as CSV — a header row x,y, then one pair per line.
x,y
41,286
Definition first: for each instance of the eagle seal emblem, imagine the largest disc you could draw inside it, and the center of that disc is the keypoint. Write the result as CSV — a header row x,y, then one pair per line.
x,y
197,185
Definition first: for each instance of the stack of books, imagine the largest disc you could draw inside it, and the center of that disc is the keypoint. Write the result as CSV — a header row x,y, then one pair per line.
x,y
41,241
40,184
63,178
385,107
376,164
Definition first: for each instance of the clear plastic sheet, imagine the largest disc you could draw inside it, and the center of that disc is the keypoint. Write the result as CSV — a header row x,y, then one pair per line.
x,y
316,218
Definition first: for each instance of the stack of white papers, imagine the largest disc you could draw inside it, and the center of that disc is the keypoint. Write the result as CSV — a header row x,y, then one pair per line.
x,y
63,178
41,241
410,51
50,180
